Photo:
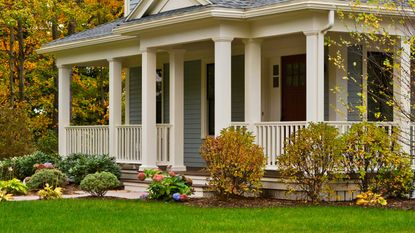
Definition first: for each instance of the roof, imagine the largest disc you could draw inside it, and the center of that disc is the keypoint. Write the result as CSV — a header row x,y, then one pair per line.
x,y
107,29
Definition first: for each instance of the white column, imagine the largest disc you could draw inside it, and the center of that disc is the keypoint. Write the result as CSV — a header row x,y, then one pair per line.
x,y
223,82
115,98
404,95
253,110
149,135
64,106
177,110
315,76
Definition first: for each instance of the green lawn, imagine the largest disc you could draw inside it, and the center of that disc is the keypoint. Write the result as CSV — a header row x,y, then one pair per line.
x,y
136,216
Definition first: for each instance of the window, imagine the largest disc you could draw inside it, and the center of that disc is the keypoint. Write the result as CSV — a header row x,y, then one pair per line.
x,y
211,98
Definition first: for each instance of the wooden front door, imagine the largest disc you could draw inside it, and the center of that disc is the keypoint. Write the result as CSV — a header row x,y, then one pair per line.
x,y
293,88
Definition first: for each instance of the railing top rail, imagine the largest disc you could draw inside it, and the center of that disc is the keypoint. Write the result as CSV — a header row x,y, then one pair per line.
x,y
163,125
87,127
282,123
129,126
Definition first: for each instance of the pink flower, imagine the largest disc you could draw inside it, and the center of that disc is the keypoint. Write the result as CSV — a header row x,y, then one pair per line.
x,y
141,176
184,197
172,174
158,177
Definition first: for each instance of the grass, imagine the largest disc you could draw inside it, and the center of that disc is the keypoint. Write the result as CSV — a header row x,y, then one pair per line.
x,y
136,216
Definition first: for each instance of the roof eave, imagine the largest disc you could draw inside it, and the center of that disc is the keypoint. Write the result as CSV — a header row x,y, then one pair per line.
x,y
82,43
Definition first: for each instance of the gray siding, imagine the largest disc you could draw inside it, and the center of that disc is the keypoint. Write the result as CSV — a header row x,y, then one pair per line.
x,y
354,84
192,114
238,88
135,95
326,85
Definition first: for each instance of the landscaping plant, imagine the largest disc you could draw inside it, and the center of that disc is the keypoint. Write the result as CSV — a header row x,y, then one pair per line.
x,y
312,159
78,166
99,184
235,163
370,199
4,196
52,177
22,167
50,193
13,186
166,186
377,160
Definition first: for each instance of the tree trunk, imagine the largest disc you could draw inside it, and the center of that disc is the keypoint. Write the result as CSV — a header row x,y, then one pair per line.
x,y
21,59
11,65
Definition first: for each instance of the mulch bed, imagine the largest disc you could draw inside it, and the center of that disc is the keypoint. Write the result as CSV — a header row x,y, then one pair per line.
x,y
269,202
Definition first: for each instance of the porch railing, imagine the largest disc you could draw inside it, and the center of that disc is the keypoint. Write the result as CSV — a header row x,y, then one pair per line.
x,y
129,140
87,139
272,135
163,144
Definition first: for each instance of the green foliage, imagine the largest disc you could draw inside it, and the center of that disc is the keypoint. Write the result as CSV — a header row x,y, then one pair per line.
x,y
4,196
370,199
15,136
312,159
235,163
377,159
78,166
13,186
48,143
50,193
53,177
22,167
165,185
99,183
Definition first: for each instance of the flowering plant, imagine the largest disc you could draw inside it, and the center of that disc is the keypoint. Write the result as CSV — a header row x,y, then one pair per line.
x,y
43,166
166,186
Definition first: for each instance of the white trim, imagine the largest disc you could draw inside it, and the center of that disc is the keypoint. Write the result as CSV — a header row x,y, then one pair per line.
x,y
83,43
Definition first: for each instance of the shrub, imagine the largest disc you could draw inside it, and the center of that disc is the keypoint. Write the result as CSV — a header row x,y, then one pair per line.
x,y
15,136
235,163
312,159
13,186
377,159
370,199
167,186
48,143
22,167
99,183
50,193
53,177
78,166
4,196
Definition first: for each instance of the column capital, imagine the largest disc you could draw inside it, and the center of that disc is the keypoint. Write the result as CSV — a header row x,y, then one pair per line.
x,y
311,32
148,50
253,40
222,39
64,66
112,59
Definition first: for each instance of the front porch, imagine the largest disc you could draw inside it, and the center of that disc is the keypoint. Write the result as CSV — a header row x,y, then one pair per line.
x,y
185,84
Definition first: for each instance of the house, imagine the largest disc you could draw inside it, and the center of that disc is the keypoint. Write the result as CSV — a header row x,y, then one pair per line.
x,y
194,67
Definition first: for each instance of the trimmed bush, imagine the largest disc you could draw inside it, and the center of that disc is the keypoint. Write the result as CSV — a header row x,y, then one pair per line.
x,y
235,163
312,159
99,183
78,166
378,160
22,167
15,136
53,177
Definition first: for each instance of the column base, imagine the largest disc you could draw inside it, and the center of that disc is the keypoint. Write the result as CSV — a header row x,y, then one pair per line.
x,y
181,168
147,167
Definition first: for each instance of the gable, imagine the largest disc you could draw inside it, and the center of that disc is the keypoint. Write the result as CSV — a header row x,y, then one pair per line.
x,y
152,7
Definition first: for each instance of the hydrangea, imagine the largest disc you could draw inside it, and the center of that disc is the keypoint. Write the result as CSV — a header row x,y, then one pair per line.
x,y
176,196
158,177
144,196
